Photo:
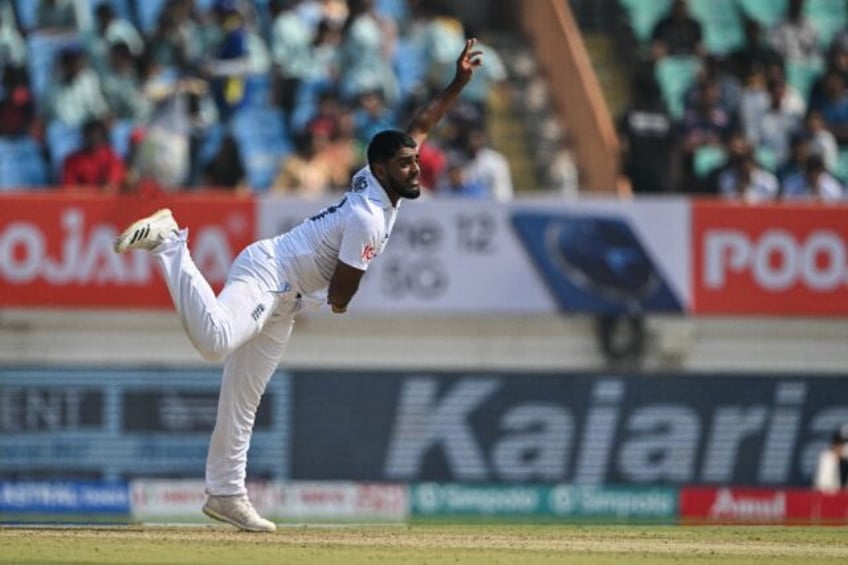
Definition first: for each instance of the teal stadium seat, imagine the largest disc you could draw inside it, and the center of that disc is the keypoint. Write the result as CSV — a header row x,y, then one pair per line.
x,y
841,170
675,75
708,158
803,74
829,16
765,12
721,24
643,15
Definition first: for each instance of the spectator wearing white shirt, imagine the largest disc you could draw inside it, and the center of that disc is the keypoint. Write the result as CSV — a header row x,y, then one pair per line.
x,y
832,464
487,166
745,179
813,183
795,37
74,95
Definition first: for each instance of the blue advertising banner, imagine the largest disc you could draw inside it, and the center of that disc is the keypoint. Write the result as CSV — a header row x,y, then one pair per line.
x,y
99,424
583,429
31,497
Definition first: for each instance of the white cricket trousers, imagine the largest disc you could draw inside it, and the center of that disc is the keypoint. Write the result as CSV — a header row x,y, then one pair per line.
x,y
248,325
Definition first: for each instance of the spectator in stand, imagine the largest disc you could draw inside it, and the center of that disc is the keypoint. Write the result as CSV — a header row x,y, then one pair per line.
x,y
714,70
13,51
831,474
744,179
756,54
74,95
837,62
799,151
315,11
456,183
487,166
109,30
95,164
813,183
735,146
706,125
647,138
677,34
291,50
834,106
230,63
437,33
225,169
822,140
57,16
372,115
325,54
177,40
122,87
345,152
795,37
307,172
17,106
771,128
326,114
367,49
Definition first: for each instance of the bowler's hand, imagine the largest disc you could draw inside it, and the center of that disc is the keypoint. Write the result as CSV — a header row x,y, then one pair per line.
x,y
468,61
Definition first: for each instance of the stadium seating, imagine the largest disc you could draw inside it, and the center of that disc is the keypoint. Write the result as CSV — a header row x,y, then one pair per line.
x,y
721,24
675,75
62,140
22,164
42,51
765,12
263,140
644,15
828,16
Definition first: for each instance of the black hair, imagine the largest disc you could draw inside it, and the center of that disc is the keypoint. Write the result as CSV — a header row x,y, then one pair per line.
x,y
385,144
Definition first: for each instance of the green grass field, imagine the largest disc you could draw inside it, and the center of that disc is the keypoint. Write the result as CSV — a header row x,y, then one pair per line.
x,y
426,544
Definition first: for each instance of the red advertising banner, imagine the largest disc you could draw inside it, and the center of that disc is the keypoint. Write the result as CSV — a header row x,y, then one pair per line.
x,y
56,249
704,505
770,259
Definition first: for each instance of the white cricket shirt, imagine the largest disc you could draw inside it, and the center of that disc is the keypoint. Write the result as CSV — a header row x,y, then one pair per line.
x,y
354,231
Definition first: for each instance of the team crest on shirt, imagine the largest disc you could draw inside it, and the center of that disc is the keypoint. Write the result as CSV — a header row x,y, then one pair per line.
x,y
368,252
359,184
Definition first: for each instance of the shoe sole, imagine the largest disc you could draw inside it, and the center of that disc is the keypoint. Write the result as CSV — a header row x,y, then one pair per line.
x,y
222,518
123,242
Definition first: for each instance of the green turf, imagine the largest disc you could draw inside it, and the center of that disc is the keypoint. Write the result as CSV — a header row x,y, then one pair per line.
x,y
427,544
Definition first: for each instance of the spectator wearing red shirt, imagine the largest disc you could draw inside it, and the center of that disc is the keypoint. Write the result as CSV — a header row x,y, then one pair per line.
x,y
95,165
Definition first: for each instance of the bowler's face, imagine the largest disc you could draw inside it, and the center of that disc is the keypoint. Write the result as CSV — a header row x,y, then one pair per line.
x,y
403,173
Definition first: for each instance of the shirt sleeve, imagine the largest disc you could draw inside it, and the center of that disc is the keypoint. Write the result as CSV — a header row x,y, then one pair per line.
x,y
360,240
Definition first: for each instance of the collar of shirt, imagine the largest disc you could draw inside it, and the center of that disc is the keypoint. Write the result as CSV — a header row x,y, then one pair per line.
x,y
376,192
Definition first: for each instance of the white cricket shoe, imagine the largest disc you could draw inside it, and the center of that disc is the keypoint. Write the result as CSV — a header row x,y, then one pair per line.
x,y
148,232
238,511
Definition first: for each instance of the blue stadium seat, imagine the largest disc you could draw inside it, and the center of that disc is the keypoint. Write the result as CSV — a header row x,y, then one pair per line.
x,y
148,12
62,140
120,136
22,164
409,65
263,142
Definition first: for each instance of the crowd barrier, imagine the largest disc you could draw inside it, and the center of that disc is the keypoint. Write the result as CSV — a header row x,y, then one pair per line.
x,y
670,255
151,501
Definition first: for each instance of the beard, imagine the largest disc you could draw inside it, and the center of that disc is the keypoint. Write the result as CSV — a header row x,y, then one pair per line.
x,y
405,187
